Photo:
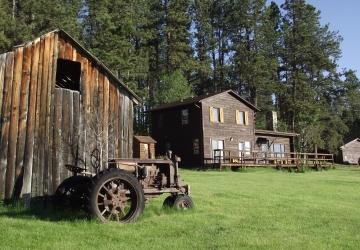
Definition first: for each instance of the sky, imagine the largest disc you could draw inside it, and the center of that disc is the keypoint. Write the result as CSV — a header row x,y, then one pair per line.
x,y
344,17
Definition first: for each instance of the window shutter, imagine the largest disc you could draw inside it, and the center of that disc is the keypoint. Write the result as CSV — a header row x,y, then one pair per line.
x,y
246,118
221,115
237,116
210,114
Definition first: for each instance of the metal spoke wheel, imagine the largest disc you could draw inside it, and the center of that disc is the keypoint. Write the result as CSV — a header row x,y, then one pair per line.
x,y
183,202
116,196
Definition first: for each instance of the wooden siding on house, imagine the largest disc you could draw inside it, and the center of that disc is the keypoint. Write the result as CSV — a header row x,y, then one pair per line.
x,y
44,127
228,130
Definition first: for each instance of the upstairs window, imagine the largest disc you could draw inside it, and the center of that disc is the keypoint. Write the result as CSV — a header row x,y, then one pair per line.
x,y
184,117
242,117
68,74
216,115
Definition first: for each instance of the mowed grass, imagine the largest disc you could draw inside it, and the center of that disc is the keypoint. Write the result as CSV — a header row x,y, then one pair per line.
x,y
255,209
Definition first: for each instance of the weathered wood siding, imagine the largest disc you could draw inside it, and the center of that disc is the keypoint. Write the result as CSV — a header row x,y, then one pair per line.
x,y
351,152
42,127
228,130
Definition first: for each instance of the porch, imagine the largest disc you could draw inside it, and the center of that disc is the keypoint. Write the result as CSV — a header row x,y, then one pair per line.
x,y
289,160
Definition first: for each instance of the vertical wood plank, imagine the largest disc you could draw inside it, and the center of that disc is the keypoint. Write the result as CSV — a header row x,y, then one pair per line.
x,y
29,144
47,176
83,111
75,136
111,119
68,51
57,145
23,109
93,118
5,120
106,118
87,118
14,123
119,123
61,48
66,132
100,114
35,185
51,121
2,75
131,129
43,168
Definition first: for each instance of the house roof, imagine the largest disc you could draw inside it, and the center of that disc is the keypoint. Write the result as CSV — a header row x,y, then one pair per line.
x,y
144,138
96,62
275,133
346,144
197,99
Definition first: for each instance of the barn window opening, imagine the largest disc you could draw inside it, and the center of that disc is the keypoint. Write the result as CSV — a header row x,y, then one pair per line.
x,y
68,74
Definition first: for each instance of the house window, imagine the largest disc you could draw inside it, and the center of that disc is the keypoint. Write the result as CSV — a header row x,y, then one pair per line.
x,y
216,115
278,149
244,148
242,117
196,147
68,74
184,116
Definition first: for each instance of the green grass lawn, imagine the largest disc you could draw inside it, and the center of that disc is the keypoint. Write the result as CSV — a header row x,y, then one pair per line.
x,y
255,209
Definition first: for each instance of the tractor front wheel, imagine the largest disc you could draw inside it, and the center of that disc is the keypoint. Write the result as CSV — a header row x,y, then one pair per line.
x,y
183,202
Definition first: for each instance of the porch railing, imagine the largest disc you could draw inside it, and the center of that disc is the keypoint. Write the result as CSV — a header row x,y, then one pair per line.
x,y
232,157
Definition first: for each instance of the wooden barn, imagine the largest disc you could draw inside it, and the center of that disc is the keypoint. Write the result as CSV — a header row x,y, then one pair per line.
x,y
58,103
224,123
351,152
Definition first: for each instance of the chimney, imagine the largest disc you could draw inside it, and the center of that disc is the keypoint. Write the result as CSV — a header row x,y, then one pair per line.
x,y
271,120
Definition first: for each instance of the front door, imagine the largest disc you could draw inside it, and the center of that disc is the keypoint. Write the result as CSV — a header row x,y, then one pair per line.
x,y
217,145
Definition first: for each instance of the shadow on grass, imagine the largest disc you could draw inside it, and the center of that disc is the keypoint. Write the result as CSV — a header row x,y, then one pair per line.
x,y
41,208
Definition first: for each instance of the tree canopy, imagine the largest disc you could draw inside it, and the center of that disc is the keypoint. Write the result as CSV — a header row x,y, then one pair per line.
x,y
279,57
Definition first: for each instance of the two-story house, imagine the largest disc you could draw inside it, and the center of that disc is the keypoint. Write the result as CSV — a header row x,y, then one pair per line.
x,y
193,128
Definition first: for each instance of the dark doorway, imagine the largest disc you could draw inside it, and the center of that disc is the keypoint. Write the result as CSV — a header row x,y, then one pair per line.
x,y
68,74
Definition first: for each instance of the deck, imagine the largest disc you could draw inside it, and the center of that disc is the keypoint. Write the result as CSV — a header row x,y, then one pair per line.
x,y
287,160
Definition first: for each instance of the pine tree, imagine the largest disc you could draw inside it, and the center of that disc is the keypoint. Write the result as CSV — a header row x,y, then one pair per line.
x,y
201,18
309,56
114,30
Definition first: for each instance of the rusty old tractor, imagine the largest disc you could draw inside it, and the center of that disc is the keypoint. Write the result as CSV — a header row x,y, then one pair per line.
x,y
119,192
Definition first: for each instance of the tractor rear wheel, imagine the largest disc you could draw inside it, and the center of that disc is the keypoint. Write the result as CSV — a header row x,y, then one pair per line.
x,y
73,192
116,195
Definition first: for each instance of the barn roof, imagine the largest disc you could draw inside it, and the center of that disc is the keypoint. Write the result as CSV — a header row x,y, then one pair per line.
x,y
193,100
96,62
144,138
346,144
